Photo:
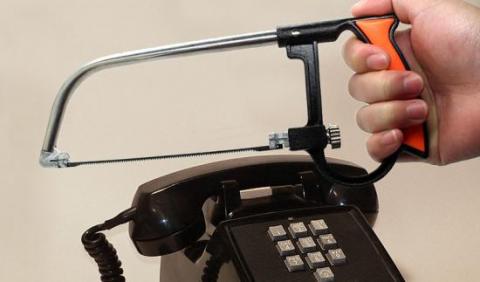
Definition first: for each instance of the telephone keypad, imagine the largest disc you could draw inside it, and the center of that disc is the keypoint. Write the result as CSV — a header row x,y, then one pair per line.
x,y
307,249
357,254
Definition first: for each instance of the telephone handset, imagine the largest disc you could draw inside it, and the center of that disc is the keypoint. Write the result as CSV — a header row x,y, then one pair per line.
x,y
169,214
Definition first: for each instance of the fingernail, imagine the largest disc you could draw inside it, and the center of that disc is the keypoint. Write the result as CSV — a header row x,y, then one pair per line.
x,y
389,138
417,110
412,83
377,61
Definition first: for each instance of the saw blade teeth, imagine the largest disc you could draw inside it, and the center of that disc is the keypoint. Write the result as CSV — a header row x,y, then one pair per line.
x,y
175,156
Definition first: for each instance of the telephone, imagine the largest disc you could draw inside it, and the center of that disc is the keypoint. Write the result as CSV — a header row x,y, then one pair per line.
x,y
264,218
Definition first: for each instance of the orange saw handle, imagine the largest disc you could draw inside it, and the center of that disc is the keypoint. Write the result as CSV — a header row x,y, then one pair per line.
x,y
380,32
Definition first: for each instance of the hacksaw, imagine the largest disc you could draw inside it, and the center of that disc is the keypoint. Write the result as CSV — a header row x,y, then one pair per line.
x,y
300,42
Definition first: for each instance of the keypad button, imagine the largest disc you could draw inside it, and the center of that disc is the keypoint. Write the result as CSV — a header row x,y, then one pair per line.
x,y
315,260
336,257
318,227
327,241
324,274
297,229
285,248
277,233
294,263
306,244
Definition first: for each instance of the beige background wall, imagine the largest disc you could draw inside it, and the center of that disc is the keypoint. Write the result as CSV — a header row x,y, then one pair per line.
x,y
429,215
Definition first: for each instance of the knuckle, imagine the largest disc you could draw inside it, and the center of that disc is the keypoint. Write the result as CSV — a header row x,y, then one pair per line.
x,y
364,120
385,85
388,115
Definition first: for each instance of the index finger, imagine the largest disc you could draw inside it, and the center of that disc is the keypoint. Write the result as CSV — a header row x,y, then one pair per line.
x,y
362,57
405,9
372,8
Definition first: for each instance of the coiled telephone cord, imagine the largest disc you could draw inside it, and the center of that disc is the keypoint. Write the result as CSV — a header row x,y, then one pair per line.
x,y
105,255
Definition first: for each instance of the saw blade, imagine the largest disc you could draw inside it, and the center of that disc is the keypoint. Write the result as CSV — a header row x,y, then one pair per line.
x,y
174,156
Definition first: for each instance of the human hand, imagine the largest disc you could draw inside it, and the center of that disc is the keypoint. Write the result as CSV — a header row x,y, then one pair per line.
x,y
443,50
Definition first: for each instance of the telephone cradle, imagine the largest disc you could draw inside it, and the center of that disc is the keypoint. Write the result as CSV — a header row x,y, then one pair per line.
x,y
264,218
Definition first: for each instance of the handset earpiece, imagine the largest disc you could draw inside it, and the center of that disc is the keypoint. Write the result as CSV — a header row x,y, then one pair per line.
x,y
169,217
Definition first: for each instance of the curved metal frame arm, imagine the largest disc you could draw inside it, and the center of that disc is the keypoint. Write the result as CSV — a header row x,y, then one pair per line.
x,y
52,157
